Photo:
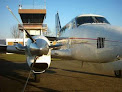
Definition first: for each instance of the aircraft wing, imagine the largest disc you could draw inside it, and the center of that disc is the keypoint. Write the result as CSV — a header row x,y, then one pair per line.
x,y
51,38
18,49
56,52
55,38
57,43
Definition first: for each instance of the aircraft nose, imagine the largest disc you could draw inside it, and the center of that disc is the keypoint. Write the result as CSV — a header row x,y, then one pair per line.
x,y
39,48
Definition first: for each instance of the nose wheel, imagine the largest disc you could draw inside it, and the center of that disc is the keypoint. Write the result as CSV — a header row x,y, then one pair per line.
x,y
37,77
118,73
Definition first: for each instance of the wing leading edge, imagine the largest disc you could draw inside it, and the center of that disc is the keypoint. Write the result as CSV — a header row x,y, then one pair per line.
x,y
18,49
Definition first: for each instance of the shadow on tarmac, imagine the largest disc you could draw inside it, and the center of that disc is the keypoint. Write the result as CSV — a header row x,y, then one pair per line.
x,y
81,72
87,73
12,71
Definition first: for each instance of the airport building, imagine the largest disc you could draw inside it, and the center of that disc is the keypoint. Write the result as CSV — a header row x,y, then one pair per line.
x,y
11,41
32,21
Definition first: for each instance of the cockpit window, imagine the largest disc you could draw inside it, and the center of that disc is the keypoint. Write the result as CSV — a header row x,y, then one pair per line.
x,y
83,20
90,19
101,20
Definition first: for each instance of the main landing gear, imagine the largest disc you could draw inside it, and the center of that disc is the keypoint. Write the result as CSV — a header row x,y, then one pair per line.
x,y
118,73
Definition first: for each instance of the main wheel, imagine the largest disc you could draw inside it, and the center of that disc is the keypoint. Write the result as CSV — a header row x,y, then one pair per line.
x,y
118,73
37,77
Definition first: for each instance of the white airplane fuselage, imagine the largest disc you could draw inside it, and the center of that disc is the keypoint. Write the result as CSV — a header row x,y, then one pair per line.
x,y
94,42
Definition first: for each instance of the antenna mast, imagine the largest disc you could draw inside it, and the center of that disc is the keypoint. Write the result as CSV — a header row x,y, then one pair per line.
x,y
44,4
20,4
33,4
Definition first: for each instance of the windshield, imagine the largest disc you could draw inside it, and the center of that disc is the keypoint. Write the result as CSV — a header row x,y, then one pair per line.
x,y
101,20
83,20
90,19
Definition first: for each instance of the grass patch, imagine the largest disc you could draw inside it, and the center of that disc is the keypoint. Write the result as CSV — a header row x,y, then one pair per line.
x,y
13,57
19,58
55,59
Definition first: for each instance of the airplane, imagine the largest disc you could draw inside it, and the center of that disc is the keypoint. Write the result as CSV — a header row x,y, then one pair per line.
x,y
87,37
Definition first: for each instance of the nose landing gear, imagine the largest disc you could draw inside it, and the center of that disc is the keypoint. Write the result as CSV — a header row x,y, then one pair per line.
x,y
37,77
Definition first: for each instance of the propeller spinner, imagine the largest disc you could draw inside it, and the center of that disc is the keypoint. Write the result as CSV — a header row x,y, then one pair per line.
x,y
39,47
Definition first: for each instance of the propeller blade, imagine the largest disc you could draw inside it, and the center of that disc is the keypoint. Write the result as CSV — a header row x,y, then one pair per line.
x,y
29,35
21,24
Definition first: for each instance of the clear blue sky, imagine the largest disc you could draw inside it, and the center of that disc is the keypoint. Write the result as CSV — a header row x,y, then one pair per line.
x,y
68,9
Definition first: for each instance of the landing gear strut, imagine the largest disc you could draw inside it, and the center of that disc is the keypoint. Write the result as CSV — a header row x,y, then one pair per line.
x,y
118,73
37,77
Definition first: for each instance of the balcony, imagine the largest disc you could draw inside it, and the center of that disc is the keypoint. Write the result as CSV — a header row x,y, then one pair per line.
x,y
33,26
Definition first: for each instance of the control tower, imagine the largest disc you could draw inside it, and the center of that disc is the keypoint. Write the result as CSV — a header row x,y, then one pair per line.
x,y
32,20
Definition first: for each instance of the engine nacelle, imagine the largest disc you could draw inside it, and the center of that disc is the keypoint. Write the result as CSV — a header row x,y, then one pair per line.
x,y
41,64
38,54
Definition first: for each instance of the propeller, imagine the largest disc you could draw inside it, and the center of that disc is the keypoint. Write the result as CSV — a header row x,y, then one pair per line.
x,y
38,46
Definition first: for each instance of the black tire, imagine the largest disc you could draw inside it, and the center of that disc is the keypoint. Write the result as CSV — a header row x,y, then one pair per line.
x,y
37,77
118,73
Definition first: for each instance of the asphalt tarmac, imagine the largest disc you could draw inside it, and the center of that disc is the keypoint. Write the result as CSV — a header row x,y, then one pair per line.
x,y
62,76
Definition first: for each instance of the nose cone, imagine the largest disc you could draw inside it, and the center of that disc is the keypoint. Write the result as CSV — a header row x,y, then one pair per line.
x,y
43,46
39,48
